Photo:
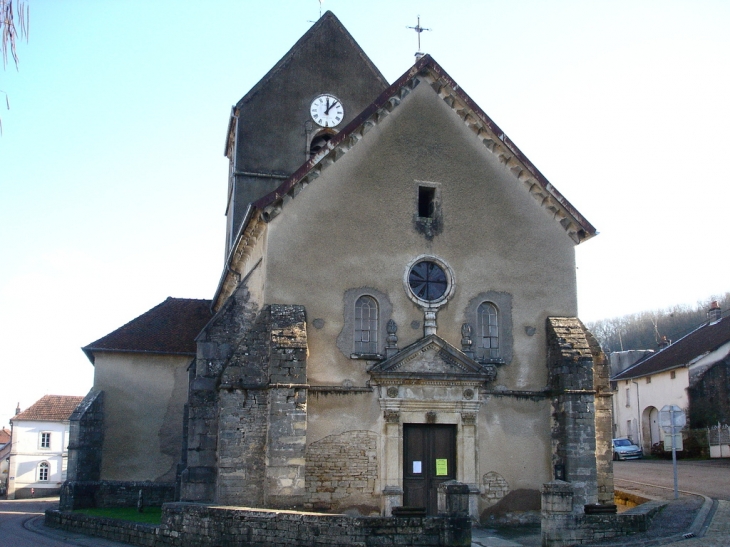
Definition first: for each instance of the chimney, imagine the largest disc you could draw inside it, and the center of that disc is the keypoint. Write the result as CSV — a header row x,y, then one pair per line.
x,y
17,409
664,342
714,314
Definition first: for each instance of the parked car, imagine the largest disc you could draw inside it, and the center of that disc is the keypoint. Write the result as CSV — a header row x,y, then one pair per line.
x,y
624,449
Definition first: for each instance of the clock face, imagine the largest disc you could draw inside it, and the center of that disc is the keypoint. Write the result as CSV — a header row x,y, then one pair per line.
x,y
327,110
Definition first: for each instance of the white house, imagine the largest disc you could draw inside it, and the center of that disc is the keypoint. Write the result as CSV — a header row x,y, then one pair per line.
x,y
39,448
690,373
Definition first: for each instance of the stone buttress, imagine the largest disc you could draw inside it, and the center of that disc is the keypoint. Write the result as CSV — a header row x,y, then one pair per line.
x,y
247,408
581,412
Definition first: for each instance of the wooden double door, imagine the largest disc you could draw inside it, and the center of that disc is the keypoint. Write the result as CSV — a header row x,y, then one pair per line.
x,y
429,458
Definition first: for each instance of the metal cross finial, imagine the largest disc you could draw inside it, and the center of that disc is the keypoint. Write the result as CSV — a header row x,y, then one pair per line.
x,y
419,29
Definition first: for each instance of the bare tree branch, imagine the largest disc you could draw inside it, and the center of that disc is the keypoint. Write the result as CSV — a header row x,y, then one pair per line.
x,y
14,25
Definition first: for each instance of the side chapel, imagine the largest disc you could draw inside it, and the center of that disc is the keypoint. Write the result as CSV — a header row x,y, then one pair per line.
x,y
397,309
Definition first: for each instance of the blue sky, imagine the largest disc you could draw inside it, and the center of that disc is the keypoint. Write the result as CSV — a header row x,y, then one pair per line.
x,y
113,180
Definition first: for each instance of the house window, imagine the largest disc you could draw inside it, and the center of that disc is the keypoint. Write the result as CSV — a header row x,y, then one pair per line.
x,y
648,379
628,396
487,331
673,374
45,440
426,201
43,471
366,325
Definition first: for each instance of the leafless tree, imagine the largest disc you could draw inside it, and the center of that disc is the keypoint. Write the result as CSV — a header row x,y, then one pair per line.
x,y
14,26
646,329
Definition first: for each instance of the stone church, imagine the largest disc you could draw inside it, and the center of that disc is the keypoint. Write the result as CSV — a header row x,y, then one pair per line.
x,y
397,308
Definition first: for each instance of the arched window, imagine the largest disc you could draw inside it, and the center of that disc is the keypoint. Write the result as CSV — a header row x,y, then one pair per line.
x,y
319,142
366,325
488,331
43,471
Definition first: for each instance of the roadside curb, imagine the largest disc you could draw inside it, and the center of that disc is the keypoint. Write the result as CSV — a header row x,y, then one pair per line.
x,y
699,526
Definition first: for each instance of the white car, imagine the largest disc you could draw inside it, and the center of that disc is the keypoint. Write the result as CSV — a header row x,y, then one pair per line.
x,y
624,449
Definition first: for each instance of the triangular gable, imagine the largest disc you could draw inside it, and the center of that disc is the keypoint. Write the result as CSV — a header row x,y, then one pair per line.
x,y
577,227
432,357
428,71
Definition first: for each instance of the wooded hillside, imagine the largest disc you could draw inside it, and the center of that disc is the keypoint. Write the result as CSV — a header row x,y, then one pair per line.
x,y
644,330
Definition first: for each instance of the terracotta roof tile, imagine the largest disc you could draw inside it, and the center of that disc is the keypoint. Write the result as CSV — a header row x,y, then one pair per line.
x,y
50,408
169,328
702,340
4,436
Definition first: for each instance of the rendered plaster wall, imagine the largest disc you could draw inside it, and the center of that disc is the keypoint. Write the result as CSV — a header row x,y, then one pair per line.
x,y
514,458
642,398
354,227
144,397
26,455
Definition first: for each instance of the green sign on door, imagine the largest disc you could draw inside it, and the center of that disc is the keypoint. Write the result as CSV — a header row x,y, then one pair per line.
x,y
442,467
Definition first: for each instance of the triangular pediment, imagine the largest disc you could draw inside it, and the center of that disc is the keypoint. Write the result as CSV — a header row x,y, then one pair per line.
x,y
432,357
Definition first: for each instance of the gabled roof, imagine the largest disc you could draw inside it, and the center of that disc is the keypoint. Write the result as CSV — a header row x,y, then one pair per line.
x,y
4,436
50,408
327,20
473,116
168,328
494,139
327,23
681,353
432,358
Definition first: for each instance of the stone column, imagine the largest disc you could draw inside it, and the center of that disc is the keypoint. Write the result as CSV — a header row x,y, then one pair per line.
x,y
393,490
469,460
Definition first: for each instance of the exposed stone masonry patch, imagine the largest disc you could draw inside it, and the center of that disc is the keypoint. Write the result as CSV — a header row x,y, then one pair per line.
x,y
340,467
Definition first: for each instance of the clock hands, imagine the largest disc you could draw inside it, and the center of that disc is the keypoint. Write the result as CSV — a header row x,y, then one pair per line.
x,y
329,106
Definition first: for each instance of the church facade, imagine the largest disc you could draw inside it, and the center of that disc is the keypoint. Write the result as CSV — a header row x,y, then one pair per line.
x,y
397,307
385,317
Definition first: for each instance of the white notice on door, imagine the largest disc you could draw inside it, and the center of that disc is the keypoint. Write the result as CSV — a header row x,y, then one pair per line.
x,y
416,467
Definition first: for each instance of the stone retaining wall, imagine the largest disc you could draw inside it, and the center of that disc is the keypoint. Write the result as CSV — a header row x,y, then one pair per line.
x,y
562,526
86,494
195,525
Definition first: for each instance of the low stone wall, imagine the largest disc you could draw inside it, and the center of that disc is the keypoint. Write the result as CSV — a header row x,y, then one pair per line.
x,y
133,533
562,525
194,525
86,494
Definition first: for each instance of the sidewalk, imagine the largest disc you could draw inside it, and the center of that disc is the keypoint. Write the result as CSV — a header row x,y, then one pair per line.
x,y
717,533
709,530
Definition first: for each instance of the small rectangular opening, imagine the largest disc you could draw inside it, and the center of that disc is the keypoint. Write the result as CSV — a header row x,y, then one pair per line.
x,y
426,201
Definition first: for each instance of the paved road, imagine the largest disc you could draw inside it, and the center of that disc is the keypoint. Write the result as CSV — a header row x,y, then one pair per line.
x,y
21,526
708,477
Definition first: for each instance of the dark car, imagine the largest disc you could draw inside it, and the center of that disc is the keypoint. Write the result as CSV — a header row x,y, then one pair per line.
x,y
624,449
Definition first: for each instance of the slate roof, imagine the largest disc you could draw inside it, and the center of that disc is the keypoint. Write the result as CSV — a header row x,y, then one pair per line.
x,y
168,328
681,353
50,408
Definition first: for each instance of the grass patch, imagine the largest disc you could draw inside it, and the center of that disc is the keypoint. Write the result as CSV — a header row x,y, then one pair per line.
x,y
151,515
